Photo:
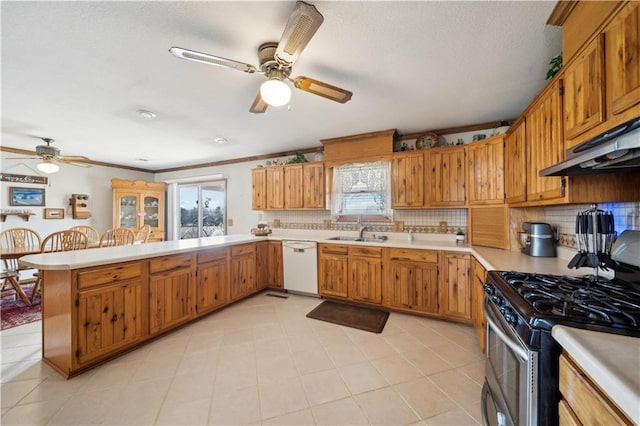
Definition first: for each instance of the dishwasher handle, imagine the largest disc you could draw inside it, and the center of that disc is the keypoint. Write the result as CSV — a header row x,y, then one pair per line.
x,y
308,245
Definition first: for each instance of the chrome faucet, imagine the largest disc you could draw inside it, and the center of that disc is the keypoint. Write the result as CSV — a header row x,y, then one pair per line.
x,y
362,228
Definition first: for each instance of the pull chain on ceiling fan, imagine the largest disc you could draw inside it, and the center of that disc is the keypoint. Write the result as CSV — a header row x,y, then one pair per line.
x,y
276,62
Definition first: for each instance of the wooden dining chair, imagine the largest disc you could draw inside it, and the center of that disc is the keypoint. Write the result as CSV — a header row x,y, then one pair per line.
x,y
117,237
93,235
18,239
67,240
143,234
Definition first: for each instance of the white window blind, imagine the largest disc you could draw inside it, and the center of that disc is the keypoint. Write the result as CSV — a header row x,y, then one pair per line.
x,y
362,189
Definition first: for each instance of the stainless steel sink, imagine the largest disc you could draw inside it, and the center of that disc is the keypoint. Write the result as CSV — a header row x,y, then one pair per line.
x,y
374,239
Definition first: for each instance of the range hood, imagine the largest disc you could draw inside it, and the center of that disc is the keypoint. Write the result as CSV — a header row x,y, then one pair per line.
x,y
617,150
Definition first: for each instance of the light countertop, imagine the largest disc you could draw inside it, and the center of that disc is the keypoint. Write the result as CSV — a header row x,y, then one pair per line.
x,y
611,360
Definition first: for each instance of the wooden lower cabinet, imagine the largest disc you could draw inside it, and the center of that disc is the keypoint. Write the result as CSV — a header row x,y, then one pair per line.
x,y
479,276
583,403
170,299
365,274
262,264
455,288
413,280
275,272
243,270
212,280
109,318
333,270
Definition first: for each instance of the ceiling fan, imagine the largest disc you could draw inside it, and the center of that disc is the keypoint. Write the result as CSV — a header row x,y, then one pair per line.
x,y
50,155
276,61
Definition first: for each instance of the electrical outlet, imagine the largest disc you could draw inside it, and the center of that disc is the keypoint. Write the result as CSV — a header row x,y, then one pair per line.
x,y
443,226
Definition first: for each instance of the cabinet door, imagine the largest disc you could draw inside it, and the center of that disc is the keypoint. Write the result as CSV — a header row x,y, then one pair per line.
x,y
623,60
314,183
486,171
293,187
544,145
275,273
407,180
584,91
332,275
275,187
109,318
455,288
259,189
262,262
170,299
243,275
365,279
414,285
447,177
126,206
477,297
515,163
153,205
212,285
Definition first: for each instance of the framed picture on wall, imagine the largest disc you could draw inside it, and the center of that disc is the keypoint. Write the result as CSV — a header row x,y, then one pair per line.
x,y
54,213
26,197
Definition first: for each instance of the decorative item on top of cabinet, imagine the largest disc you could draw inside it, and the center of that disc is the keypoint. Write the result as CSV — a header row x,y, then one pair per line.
x,y
138,203
407,180
455,286
486,171
446,176
479,274
413,280
80,206
212,283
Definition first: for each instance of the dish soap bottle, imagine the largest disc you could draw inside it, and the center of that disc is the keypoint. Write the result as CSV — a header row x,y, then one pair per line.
x,y
410,235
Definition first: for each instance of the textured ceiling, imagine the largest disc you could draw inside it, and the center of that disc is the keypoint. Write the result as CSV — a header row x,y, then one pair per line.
x,y
78,71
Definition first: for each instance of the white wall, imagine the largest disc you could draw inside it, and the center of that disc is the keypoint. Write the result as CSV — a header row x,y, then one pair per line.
x,y
94,181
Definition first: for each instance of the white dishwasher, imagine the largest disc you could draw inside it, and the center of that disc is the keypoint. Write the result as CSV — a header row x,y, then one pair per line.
x,y
300,264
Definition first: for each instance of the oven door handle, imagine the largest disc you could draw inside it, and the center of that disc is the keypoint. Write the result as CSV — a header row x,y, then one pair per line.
x,y
491,322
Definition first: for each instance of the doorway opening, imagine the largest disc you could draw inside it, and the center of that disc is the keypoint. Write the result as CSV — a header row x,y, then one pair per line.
x,y
203,209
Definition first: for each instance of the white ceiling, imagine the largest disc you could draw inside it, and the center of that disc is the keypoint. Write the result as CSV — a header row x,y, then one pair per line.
x,y
78,71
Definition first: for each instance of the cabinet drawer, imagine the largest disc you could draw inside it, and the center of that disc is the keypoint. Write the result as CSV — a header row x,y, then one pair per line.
x,y
365,251
243,249
429,256
168,263
333,249
211,255
110,274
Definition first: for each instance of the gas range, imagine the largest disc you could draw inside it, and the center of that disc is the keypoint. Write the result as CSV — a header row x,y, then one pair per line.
x,y
534,302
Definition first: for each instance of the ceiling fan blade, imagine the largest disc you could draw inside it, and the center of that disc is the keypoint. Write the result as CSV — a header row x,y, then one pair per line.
x,y
219,61
76,160
302,25
322,89
259,105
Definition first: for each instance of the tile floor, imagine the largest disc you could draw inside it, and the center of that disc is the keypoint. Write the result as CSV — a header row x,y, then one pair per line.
x,y
260,361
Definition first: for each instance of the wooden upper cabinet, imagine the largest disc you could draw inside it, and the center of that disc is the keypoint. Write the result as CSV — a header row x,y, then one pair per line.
x,y
259,189
407,180
622,39
446,177
584,90
544,145
314,185
293,184
515,163
486,171
275,187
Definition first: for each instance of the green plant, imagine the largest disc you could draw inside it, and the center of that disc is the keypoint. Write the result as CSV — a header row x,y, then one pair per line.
x,y
298,158
556,64
460,232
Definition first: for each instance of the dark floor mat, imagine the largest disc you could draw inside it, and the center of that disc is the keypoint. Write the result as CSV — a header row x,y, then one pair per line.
x,y
367,319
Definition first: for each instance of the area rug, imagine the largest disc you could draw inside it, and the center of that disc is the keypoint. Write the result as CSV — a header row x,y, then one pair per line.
x,y
14,312
367,319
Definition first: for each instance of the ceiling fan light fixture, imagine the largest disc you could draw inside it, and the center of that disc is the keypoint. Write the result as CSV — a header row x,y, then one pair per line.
x,y
48,167
275,92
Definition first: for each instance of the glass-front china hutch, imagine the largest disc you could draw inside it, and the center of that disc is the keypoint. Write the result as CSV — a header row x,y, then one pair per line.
x,y
138,203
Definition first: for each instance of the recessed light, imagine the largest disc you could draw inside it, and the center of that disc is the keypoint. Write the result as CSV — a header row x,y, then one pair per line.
x,y
142,159
146,114
221,141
